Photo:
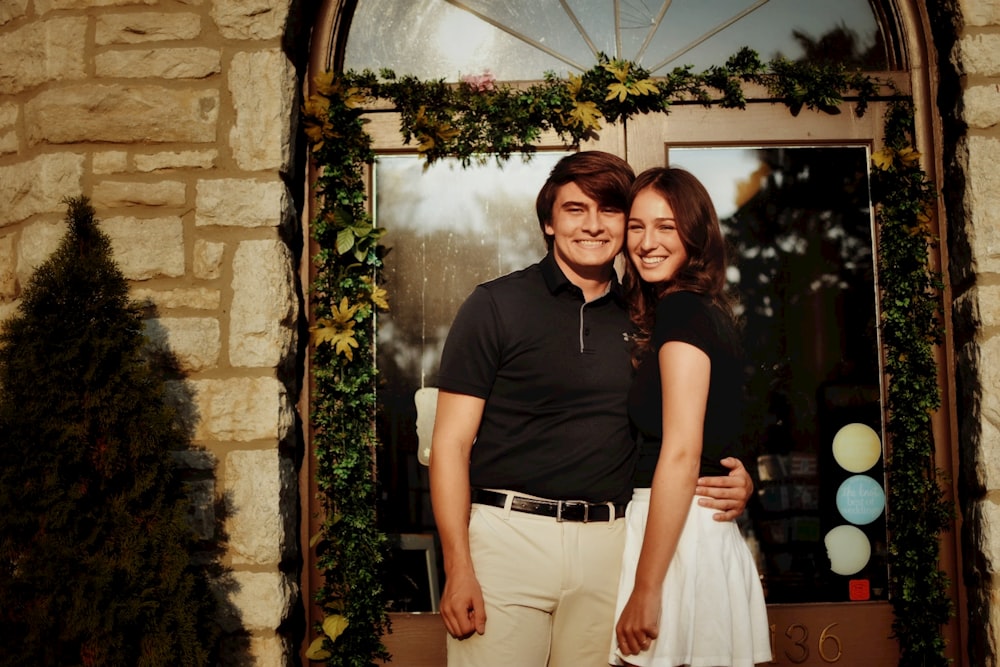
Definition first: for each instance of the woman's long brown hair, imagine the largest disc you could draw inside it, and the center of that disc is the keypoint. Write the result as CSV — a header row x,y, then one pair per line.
x,y
699,231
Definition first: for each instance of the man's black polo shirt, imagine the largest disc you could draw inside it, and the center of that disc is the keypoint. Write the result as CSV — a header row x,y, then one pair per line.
x,y
555,374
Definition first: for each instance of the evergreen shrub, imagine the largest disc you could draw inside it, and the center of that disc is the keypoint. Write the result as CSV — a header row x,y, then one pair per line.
x,y
96,552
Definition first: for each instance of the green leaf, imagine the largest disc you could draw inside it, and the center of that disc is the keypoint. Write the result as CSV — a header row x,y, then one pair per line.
x,y
345,241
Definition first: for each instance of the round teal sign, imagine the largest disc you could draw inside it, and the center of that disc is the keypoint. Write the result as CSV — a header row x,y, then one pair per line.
x,y
860,499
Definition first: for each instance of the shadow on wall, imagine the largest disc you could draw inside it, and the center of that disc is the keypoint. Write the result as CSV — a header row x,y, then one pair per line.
x,y
207,511
98,560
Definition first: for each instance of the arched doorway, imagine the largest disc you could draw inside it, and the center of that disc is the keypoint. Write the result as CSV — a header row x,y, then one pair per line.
x,y
821,612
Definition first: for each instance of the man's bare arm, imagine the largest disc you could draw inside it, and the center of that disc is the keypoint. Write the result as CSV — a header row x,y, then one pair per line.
x,y
455,426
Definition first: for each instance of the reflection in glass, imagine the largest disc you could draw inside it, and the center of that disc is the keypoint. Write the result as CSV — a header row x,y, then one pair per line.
x,y
799,221
800,225
523,39
448,229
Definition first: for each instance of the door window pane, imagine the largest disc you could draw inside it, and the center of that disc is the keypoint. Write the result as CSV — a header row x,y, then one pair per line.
x,y
799,222
523,39
448,229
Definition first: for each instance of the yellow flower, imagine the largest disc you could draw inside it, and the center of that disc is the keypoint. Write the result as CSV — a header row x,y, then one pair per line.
x,y
380,298
429,132
886,158
333,626
337,330
575,84
882,159
908,155
619,68
623,88
316,120
325,83
586,114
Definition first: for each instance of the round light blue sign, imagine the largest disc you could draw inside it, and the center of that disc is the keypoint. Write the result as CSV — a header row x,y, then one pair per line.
x,y
860,499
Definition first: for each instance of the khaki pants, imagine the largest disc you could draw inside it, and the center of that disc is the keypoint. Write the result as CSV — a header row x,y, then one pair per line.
x,y
550,589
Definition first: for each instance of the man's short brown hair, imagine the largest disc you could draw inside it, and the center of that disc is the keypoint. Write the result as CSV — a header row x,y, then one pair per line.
x,y
603,177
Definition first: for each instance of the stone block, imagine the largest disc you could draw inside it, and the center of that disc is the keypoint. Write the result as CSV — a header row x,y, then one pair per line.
x,y
988,301
207,259
251,19
983,202
980,54
109,162
980,12
38,241
255,600
124,194
147,247
194,63
140,27
9,140
42,51
241,410
990,532
263,312
122,114
982,106
12,9
199,298
203,159
45,6
989,369
260,506
194,342
233,202
264,89
9,287
39,185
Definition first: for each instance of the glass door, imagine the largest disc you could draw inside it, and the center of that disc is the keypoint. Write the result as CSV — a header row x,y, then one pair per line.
x,y
793,198
799,220
449,229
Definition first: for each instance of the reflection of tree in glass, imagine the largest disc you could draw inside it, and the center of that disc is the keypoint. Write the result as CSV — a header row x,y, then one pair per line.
x,y
432,269
802,247
841,46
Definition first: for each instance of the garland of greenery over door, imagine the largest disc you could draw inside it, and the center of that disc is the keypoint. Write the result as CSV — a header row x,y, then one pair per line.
x,y
480,119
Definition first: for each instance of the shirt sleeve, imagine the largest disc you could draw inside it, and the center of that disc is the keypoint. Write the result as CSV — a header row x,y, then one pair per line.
x,y
684,317
472,350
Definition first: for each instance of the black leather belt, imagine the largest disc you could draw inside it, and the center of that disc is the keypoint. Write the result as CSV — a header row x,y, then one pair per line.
x,y
560,510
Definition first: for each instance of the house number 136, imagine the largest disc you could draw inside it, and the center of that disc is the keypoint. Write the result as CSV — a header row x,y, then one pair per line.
x,y
828,646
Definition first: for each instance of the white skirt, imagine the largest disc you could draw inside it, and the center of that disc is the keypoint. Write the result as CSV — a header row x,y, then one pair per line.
x,y
713,612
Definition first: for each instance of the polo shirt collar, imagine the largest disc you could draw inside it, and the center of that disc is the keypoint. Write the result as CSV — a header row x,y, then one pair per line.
x,y
557,281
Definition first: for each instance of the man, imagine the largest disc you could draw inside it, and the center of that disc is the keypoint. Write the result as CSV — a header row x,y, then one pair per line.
x,y
535,373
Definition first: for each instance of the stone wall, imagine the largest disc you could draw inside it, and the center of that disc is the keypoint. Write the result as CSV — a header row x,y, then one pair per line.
x,y
967,34
177,118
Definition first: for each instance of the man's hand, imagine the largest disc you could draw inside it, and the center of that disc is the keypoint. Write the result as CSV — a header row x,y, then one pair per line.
x,y
462,607
728,494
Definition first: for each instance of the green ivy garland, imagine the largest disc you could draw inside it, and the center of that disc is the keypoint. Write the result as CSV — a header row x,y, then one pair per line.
x,y
910,329
479,119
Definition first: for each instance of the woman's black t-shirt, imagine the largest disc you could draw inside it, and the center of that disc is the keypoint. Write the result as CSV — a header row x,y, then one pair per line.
x,y
690,318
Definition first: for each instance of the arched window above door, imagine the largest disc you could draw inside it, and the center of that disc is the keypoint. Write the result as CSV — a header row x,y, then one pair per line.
x,y
520,40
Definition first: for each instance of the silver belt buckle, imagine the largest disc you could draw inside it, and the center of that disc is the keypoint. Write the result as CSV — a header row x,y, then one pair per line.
x,y
573,503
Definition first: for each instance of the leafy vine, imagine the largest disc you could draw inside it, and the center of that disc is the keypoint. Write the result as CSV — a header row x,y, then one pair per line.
x,y
910,328
480,119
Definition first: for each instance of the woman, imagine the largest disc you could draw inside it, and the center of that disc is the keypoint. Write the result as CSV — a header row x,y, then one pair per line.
x,y
690,592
